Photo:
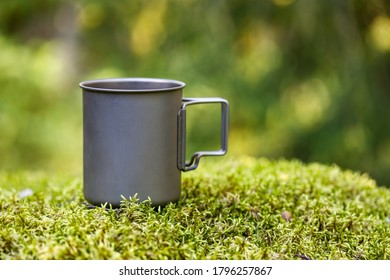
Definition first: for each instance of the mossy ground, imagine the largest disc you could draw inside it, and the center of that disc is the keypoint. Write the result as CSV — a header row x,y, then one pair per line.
x,y
241,208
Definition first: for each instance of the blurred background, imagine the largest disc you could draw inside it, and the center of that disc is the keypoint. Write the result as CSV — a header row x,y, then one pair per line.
x,y
305,79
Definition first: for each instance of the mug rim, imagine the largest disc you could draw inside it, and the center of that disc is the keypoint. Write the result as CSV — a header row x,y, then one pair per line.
x,y
91,85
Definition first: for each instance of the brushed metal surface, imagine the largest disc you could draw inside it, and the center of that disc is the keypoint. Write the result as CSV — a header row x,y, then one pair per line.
x,y
130,141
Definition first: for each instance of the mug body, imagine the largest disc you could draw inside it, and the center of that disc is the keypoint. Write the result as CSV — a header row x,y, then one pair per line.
x,y
130,140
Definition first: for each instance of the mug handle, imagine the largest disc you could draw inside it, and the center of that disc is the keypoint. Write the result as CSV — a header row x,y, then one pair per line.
x,y
181,117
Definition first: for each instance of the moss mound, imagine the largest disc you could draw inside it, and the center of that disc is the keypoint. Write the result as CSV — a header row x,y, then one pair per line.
x,y
241,208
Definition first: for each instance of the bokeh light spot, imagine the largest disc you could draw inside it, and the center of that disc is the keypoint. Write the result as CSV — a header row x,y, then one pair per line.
x,y
380,33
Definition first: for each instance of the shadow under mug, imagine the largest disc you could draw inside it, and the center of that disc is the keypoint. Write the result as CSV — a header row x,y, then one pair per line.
x,y
134,139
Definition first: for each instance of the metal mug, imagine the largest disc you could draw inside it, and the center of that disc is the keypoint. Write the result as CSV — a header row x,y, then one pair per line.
x,y
134,139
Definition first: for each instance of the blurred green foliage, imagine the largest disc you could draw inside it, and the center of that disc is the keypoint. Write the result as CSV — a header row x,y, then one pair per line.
x,y
305,79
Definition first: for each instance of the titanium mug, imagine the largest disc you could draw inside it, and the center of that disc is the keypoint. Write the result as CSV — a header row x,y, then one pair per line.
x,y
134,139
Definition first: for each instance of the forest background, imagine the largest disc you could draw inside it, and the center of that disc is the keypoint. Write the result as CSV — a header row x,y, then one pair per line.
x,y
305,79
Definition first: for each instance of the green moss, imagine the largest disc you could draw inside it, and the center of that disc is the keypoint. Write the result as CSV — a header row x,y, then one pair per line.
x,y
241,208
